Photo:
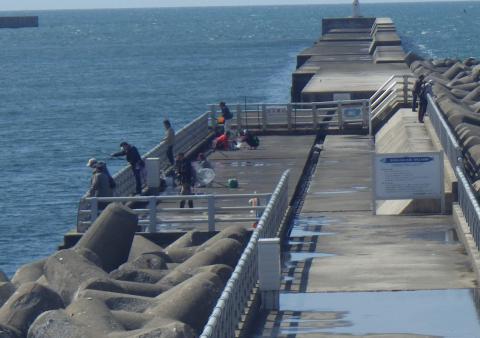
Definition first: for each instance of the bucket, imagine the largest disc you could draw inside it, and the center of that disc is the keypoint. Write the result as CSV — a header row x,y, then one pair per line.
x,y
232,183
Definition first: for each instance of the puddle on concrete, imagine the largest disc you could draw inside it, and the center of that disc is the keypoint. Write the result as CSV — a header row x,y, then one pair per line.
x,y
299,243
441,313
306,232
288,278
303,256
311,226
340,191
448,236
248,164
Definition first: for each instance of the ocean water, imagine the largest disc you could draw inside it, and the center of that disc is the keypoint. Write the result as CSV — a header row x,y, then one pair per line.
x,y
86,80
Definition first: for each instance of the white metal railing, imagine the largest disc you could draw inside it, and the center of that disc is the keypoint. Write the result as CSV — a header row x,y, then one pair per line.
x,y
291,116
185,138
469,205
228,311
444,133
152,216
396,90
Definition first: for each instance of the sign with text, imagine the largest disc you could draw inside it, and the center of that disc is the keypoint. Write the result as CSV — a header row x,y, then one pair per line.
x,y
408,176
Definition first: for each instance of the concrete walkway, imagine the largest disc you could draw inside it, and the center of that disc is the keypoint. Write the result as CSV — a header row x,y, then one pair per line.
x,y
338,251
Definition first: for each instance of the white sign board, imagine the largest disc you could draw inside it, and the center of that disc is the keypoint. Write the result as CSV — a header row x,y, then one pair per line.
x,y
408,176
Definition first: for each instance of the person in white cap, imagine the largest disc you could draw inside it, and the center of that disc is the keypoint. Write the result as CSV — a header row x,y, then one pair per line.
x,y
93,163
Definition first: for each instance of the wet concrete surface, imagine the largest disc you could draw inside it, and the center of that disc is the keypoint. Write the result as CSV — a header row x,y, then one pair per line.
x,y
349,273
433,313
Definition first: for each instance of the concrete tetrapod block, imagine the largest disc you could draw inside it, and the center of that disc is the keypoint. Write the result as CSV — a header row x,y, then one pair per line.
x,y
28,273
83,318
474,95
57,324
454,70
26,304
190,302
140,246
3,277
225,251
131,274
163,328
66,270
191,238
119,301
6,290
111,235
9,332
236,232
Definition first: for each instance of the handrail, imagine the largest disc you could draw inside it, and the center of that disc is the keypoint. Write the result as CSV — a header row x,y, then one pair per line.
x,y
299,114
444,133
229,308
152,211
469,205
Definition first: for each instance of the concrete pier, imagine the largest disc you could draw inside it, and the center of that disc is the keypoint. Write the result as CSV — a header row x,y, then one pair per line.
x,y
337,248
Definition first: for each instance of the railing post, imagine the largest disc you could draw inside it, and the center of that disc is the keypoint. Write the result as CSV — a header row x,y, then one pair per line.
x,y
289,116
370,118
213,118
211,212
405,90
269,271
152,214
340,116
264,117
315,117
93,209
239,116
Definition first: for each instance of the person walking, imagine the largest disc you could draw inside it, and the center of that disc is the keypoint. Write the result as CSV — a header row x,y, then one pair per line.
x,y
227,116
136,163
169,140
416,91
186,176
423,99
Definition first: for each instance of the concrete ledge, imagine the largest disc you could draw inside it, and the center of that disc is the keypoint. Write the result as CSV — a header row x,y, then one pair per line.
x,y
465,236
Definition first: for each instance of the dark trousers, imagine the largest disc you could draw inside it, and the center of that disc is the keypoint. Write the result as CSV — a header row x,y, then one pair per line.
x,y
138,180
422,109
170,155
414,104
186,190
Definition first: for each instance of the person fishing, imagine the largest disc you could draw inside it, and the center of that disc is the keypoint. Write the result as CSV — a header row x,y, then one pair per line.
x,y
169,140
416,91
93,163
227,116
133,157
186,177
423,102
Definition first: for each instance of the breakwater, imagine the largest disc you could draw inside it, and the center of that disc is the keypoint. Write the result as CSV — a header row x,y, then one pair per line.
x,y
18,21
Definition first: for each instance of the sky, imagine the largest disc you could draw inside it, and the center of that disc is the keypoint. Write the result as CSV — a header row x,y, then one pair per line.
x,y
9,5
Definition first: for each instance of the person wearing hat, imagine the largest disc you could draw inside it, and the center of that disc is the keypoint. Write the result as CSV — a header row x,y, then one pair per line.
x,y
227,116
416,91
186,176
133,157
100,184
423,102
93,163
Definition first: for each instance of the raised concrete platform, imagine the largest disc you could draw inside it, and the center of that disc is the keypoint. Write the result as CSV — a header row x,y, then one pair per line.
x,y
341,260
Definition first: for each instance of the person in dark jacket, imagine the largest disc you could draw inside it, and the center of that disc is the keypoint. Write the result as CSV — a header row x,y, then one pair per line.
x,y
227,116
416,91
169,140
186,177
136,162
423,99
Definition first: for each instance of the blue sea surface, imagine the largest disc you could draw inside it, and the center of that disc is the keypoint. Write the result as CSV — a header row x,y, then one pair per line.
x,y
84,81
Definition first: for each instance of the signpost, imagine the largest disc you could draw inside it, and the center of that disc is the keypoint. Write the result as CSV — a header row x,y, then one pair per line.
x,y
408,176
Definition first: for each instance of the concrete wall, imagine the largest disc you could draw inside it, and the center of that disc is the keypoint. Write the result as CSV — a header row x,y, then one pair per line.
x,y
346,23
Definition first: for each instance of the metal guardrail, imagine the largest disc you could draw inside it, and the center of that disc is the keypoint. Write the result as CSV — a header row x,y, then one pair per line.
x,y
291,116
228,311
185,138
469,205
396,90
444,133
152,217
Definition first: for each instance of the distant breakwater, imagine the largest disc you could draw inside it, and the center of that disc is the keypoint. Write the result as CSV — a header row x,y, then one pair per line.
x,y
18,21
